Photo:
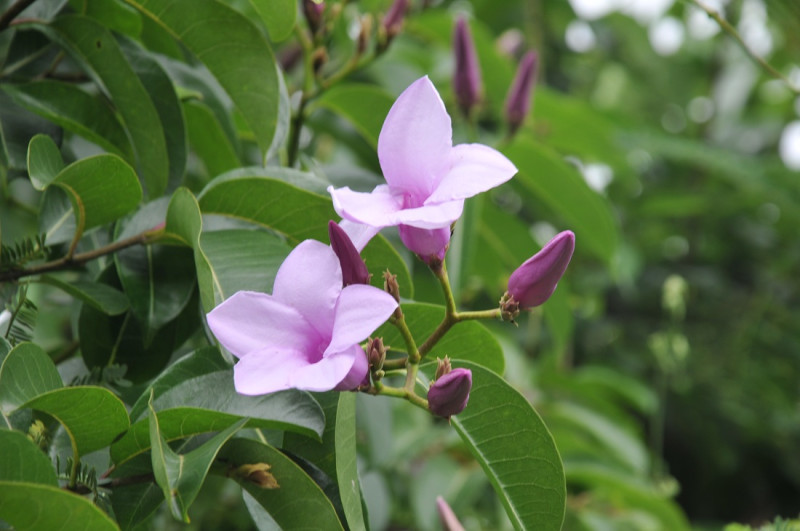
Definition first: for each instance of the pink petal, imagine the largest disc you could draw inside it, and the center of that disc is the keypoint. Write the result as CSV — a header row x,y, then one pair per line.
x,y
327,373
310,280
376,208
267,371
429,244
415,140
431,216
358,372
359,233
474,168
249,321
360,310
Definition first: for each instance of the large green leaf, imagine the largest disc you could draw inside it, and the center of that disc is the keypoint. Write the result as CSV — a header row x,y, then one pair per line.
x,y
27,371
96,48
44,161
296,213
335,455
298,503
515,449
75,110
22,460
162,93
546,176
92,416
158,280
36,507
208,139
278,15
99,296
233,50
101,189
181,476
469,340
365,106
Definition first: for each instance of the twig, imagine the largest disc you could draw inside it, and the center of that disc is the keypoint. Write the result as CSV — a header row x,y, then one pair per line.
x,y
730,30
11,13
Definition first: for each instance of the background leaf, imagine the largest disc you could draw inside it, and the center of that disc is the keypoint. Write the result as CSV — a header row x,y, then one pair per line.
x,y
22,460
278,15
365,106
27,371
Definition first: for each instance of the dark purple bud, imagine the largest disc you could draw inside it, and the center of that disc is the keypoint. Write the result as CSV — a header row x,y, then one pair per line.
x,y
518,101
535,280
313,11
447,516
392,23
467,76
449,394
354,270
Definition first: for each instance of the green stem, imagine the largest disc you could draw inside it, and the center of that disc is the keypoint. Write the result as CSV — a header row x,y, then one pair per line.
x,y
390,365
404,393
730,30
308,83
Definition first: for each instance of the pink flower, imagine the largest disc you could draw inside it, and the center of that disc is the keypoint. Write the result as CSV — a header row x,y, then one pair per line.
x,y
306,334
427,177
447,516
536,279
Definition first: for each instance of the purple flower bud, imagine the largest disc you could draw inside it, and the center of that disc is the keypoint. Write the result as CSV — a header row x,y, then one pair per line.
x,y
354,270
518,101
313,10
392,23
447,516
376,353
467,77
535,280
449,394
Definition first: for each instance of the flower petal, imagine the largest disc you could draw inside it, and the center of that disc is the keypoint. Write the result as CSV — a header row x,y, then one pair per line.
x,y
327,373
310,280
474,168
436,216
359,233
249,321
428,244
358,372
268,370
360,310
376,208
415,140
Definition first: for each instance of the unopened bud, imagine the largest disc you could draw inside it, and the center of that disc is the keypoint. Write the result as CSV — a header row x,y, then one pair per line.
x,y
443,367
313,11
447,516
509,307
518,101
536,279
390,285
392,23
376,354
449,394
258,474
354,270
364,34
467,75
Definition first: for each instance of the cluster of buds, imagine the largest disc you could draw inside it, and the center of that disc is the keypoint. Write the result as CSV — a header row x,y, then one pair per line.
x,y
467,83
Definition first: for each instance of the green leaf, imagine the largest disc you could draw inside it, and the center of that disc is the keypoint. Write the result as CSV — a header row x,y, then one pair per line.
x,y
44,161
27,371
157,279
296,213
99,296
96,48
469,340
92,416
181,476
515,449
22,460
162,93
278,15
298,503
551,180
116,16
36,507
365,106
74,109
335,455
208,139
233,50
101,189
